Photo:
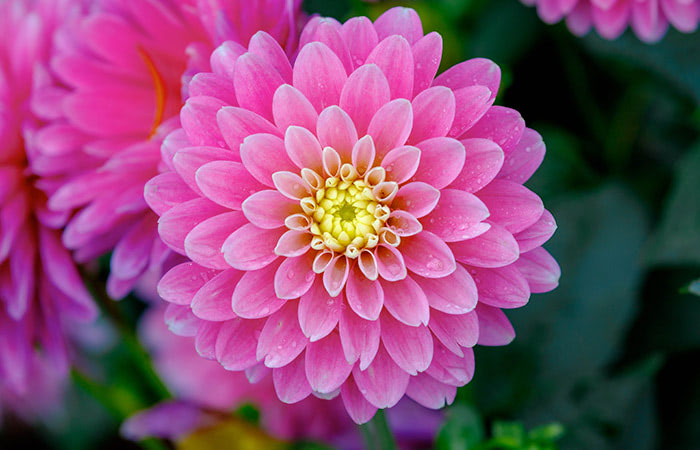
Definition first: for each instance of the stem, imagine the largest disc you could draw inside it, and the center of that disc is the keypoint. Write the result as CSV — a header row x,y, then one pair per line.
x,y
377,433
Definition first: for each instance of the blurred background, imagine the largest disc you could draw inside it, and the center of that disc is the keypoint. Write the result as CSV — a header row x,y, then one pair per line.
x,y
606,360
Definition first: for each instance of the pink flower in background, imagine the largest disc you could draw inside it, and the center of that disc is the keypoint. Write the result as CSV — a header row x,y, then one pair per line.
x,y
225,391
118,73
648,18
354,224
41,292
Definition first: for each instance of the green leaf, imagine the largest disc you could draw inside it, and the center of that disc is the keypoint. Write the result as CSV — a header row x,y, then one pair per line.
x,y
677,241
463,429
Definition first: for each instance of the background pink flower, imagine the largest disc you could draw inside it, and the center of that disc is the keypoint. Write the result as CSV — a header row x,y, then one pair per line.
x,y
206,386
648,18
354,224
119,72
41,292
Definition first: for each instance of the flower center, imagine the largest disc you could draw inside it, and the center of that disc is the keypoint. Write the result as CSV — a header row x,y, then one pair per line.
x,y
346,216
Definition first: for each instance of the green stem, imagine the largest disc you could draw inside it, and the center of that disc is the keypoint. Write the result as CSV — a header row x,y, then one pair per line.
x,y
377,433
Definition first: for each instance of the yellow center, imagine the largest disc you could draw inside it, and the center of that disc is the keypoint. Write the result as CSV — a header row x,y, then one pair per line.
x,y
346,216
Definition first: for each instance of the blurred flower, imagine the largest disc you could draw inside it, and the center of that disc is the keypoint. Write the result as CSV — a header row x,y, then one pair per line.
x,y
186,374
41,292
353,223
649,18
119,72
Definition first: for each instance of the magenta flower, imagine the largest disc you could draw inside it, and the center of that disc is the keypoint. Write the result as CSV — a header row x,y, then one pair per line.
x,y
119,71
41,292
354,224
648,18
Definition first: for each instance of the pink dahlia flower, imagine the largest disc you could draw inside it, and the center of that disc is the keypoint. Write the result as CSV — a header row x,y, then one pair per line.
x,y
649,18
311,418
354,224
119,71
40,288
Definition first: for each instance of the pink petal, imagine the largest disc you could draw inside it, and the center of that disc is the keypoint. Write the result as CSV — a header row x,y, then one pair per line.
x,y
411,348
360,338
177,222
335,275
365,91
181,283
212,85
391,126
281,339
360,410
198,120
264,154
406,301
401,163
361,37
504,287
268,209
303,148
504,126
402,21
390,263
494,327
394,57
188,160
433,114
474,72
236,343
364,296
484,159
250,247
458,216
227,183
290,381
293,243
427,255
335,129
326,368
295,276
540,270
328,32
166,190
451,369
213,300
536,234
471,104
205,339
427,53
454,294
318,312
611,22
429,392
291,108
383,383
455,330
417,198
256,81
266,47
236,124
494,248
441,161
203,244
291,185
319,74
254,296
363,154
130,255
403,223
524,159
683,15
511,205
223,59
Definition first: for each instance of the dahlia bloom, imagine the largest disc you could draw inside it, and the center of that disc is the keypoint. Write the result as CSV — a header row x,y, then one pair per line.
x,y
354,223
648,18
41,292
119,72
195,408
